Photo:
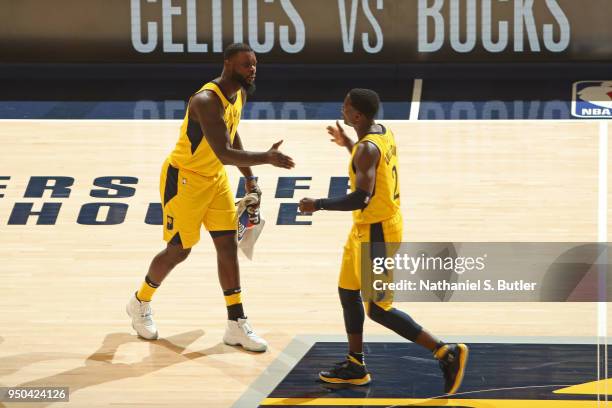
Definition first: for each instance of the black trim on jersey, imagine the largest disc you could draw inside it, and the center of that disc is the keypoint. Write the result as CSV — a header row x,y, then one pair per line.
x,y
376,236
384,130
194,134
176,240
230,100
376,232
171,187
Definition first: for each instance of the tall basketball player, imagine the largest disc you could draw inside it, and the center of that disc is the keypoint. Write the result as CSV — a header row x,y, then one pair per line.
x,y
195,191
375,203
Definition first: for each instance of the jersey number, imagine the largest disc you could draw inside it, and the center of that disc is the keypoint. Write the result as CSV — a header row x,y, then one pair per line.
x,y
395,190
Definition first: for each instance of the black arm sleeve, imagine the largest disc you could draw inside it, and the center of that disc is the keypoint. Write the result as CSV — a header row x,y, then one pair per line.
x,y
357,200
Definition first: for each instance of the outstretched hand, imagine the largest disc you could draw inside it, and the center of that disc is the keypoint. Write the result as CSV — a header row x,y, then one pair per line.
x,y
278,159
338,135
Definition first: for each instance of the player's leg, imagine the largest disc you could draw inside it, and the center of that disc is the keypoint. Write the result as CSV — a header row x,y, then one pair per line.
x,y
221,221
161,266
380,305
452,357
181,224
228,270
352,370
139,306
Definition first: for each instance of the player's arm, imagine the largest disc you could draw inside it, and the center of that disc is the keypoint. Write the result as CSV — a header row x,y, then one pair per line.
x,y
246,171
250,181
206,108
340,138
365,161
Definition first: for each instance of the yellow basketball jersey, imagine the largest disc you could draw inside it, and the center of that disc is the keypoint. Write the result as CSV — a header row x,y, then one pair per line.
x,y
192,151
385,200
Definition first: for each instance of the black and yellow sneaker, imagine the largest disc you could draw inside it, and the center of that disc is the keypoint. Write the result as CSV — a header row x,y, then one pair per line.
x,y
350,371
453,359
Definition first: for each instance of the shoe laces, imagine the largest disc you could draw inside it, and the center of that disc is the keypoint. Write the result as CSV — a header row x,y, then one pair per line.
x,y
342,364
246,327
146,312
448,359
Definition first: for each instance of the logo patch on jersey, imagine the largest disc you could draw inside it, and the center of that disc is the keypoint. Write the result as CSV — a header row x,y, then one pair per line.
x,y
592,99
170,223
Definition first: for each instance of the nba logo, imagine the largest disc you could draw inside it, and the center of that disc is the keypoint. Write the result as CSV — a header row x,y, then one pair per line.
x,y
592,99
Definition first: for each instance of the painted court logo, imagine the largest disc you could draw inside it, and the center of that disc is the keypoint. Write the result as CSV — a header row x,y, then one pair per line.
x,y
592,99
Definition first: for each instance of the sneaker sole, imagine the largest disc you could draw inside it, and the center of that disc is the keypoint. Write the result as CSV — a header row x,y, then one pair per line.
x,y
127,310
357,381
245,347
463,357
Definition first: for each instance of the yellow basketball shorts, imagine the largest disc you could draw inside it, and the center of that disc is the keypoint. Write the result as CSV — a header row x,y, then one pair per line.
x,y
359,243
190,200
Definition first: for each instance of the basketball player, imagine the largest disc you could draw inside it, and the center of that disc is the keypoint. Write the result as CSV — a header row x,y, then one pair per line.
x,y
375,202
194,190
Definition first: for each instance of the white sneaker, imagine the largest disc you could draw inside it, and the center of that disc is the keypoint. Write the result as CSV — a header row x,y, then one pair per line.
x,y
240,333
142,322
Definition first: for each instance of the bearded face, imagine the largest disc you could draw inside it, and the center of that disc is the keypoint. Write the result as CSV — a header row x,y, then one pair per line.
x,y
243,69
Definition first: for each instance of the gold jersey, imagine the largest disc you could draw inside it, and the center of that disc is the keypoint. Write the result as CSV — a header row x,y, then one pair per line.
x,y
385,200
192,151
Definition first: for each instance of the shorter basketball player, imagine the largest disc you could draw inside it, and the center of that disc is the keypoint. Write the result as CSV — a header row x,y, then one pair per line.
x,y
375,203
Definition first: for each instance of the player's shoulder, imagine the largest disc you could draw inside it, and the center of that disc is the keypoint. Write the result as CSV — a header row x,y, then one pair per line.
x,y
206,101
206,96
367,149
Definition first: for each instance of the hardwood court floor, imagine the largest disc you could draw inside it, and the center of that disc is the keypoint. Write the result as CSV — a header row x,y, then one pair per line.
x,y
64,286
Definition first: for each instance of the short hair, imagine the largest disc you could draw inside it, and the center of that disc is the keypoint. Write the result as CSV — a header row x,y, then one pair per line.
x,y
365,101
235,48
